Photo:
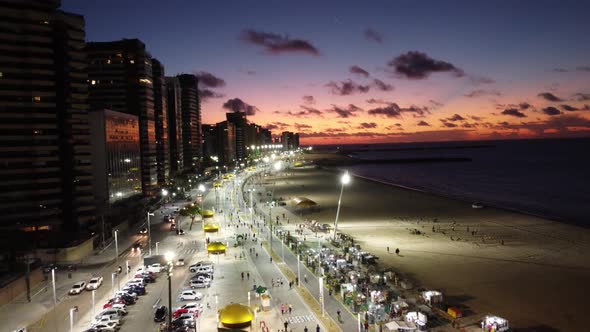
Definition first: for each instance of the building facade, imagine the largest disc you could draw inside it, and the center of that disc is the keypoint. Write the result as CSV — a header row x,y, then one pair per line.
x,y
117,156
191,121
120,79
174,102
240,124
46,165
161,123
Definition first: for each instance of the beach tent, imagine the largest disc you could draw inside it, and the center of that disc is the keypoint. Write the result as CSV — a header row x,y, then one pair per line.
x,y
211,228
207,213
304,202
216,248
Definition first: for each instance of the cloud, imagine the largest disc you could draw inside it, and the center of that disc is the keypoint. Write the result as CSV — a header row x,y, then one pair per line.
x,y
455,117
358,71
276,44
581,96
476,118
393,110
514,112
308,100
238,105
549,96
482,92
276,125
560,70
477,80
448,124
346,88
382,86
569,108
551,111
209,80
367,125
301,126
423,124
373,35
306,112
435,103
345,112
559,124
207,94
377,101
524,106
583,68
418,65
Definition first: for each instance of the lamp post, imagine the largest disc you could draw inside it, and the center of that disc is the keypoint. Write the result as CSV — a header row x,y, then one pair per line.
x,y
93,302
321,282
72,310
201,188
149,232
169,257
298,271
345,179
53,285
113,282
127,268
157,251
116,246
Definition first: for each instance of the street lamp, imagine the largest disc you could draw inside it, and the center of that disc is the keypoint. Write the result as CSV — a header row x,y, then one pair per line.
x,y
116,246
72,310
149,232
157,251
345,179
169,257
113,275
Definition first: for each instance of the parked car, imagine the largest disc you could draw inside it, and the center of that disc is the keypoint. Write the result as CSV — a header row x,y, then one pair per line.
x,y
202,266
135,289
77,288
94,283
160,314
105,320
202,277
180,262
190,295
147,278
143,230
112,312
110,327
136,246
199,284
123,292
180,232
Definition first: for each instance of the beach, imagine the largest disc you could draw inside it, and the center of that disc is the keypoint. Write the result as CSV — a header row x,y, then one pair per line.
x,y
531,271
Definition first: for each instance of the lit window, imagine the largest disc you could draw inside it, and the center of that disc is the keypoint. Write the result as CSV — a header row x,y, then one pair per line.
x,y
131,61
119,55
145,81
37,99
109,61
45,22
93,82
1,74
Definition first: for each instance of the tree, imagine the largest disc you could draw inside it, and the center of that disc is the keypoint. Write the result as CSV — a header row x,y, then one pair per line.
x,y
190,210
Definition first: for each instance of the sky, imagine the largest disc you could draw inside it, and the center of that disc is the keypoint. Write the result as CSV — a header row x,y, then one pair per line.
x,y
343,72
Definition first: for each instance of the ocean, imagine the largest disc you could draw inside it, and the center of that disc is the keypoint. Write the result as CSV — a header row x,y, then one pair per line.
x,y
548,178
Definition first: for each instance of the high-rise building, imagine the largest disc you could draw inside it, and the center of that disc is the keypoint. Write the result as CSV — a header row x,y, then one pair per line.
x,y
240,124
174,102
289,140
120,79
161,122
116,152
209,142
226,142
191,121
46,172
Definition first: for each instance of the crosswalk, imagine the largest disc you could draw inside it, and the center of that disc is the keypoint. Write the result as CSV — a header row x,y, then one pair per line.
x,y
299,319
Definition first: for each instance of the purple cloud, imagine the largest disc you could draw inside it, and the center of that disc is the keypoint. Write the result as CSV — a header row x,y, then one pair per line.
x,y
551,111
549,96
238,105
346,88
347,112
209,80
514,112
418,65
275,44
367,125
382,86
358,71
481,93
373,35
423,124
308,100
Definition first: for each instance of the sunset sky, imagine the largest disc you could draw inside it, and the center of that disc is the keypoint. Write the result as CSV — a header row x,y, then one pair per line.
x,y
372,71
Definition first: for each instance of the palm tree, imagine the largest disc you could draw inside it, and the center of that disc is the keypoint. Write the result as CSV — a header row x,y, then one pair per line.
x,y
190,210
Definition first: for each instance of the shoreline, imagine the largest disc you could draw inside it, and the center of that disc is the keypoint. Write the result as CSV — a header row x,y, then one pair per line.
x,y
536,280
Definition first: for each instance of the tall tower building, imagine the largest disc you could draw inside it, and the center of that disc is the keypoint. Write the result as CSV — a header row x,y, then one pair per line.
x,y
191,120
174,124
121,79
240,124
46,164
161,122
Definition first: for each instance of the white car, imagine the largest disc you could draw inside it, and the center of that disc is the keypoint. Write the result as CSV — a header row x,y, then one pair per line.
x,y
77,288
106,320
94,283
110,327
199,284
128,293
190,295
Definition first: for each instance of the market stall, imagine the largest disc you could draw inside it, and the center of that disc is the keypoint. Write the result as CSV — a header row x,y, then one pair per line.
x,y
493,323
417,318
432,297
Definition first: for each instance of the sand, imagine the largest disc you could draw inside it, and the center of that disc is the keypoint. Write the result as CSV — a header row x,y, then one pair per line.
x,y
537,279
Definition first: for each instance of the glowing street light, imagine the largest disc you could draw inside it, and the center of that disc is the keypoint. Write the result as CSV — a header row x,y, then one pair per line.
x,y
345,179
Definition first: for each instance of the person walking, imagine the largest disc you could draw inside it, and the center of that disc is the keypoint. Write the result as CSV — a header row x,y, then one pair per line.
x,y
397,251
305,329
388,250
290,308
248,275
317,328
339,317
286,324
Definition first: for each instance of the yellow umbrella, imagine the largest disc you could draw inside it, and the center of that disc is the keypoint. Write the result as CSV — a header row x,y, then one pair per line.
x,y
216,248
304,202
236,315
207,214
211,228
